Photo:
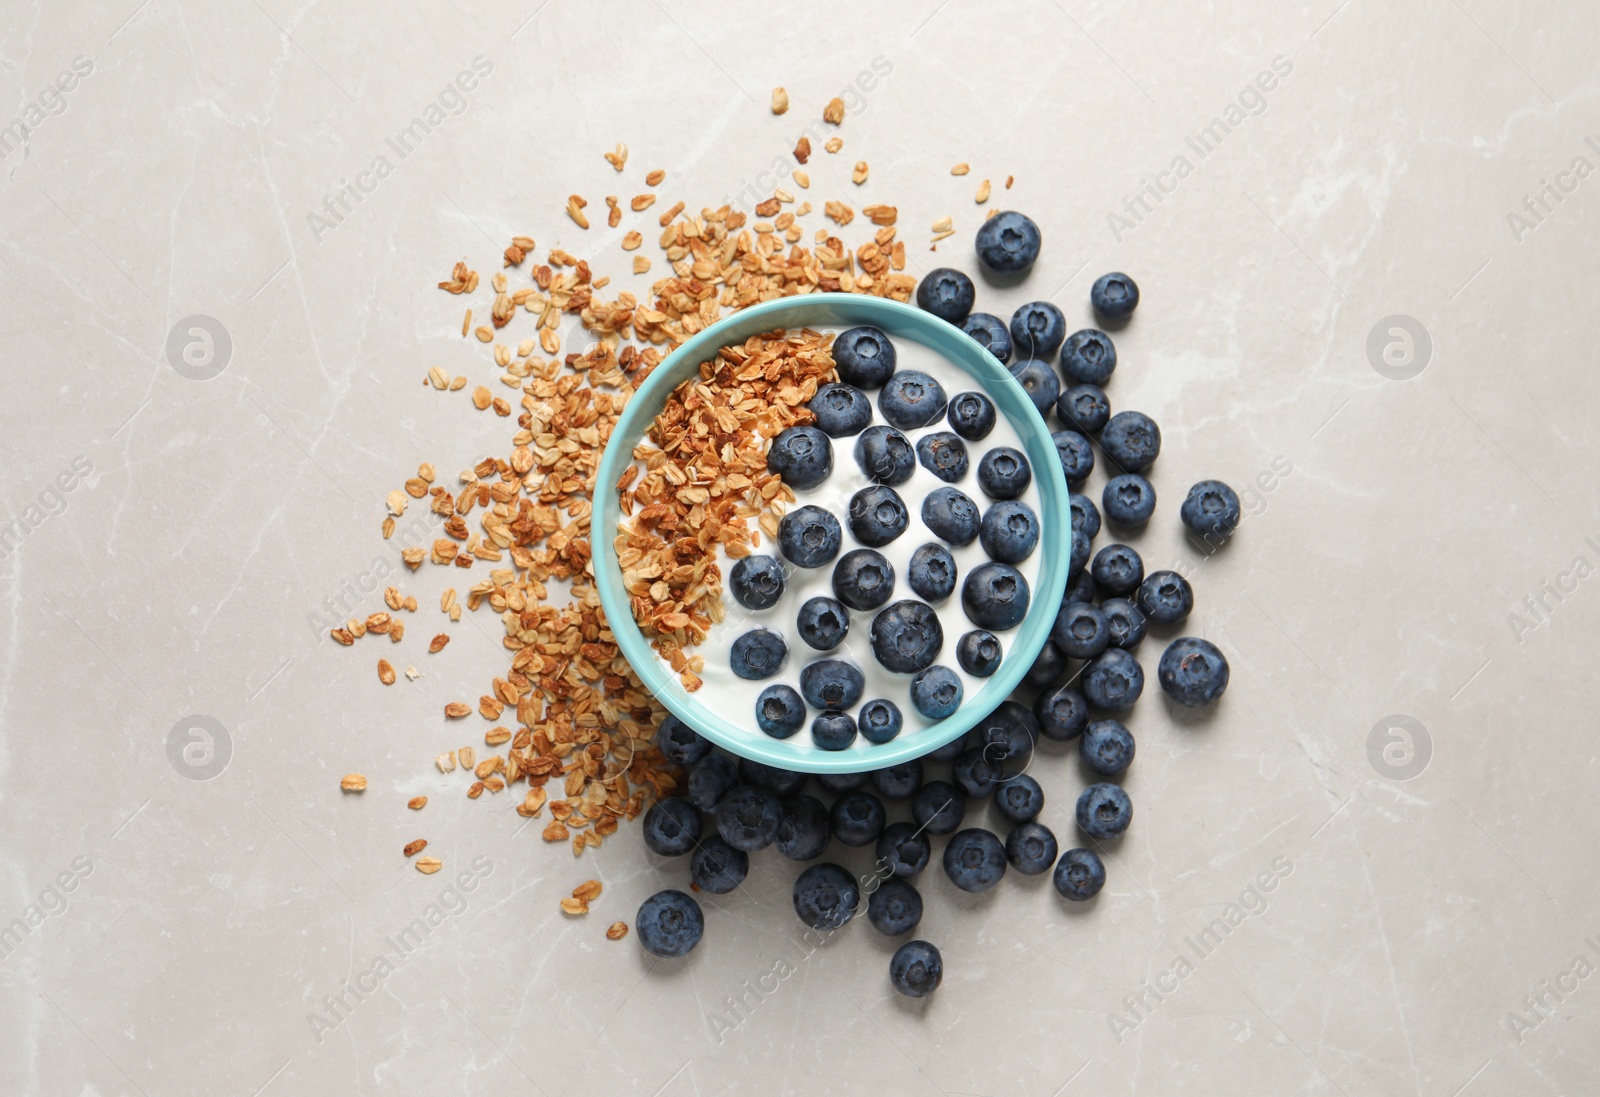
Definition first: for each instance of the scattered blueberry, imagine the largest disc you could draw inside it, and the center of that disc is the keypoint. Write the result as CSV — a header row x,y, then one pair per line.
x,y
833,730
995,596
1114,295
1113,681
979,653
877,515
946,293
1129,500
975,774
1006,735
1009,531
894,908
1089,357
1081,630
1031,848
971,415
938,807
670,924
1104,811
899,781
1085,515
1078,554
803,456
903,850
1003,473
748,817
1127,621
948,752
825,896
779,711
950,515
1079,875
1025,728
1037,329
911,399
1039,381
804,831
823,623
907,637
932,572
1076,453
1008,242
759,653
974,860
1083,407
936,692
1062,713
680,743
863,579
841,410
757,582
879,721
915,969
858,818
944,454
885,455
1165,597
782,782
1211,509
671,827
710,778
717,867
1019,799
1132,441
1080,588
832,684
1117,570
809,537
1192,671
990,333
1048,667
864,357
1106,747
842,782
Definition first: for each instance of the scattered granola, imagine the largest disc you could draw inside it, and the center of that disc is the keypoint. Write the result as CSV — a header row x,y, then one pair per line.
x,y
385,672
616,931
780,100
833,113
983,192
415,847
417,803
353,782
428,865
960,169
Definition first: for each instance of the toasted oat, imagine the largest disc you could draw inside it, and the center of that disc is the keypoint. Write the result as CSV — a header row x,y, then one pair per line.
x,y
780,100
616,931
802,179
437,644
654,178
574,906
428,865
839,212
802,149
642,202
833,144
385,672
882,215
446,761
983,193
859,175
618,158
613,211
466,755
455,710
640,264
575,206
631,241
417,803
1009,180
833,113
587,892
415,847
960,169
353,782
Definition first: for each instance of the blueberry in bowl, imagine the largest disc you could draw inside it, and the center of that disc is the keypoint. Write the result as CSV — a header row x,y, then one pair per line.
x,y
951,516
971,415
863,579
833,730
842,410
823,623
809,537
864,357
1009,531
759,653
995,596
1004,473
936,692
979,653
944,454
911,399
885,455
879,720
932,573
803,456
780,712
907,637
757,582
832,684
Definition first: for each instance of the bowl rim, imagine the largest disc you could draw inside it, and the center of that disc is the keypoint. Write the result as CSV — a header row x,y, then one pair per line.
x,y
898,320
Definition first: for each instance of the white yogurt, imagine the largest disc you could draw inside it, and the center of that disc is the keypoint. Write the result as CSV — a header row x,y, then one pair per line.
x,y
736,697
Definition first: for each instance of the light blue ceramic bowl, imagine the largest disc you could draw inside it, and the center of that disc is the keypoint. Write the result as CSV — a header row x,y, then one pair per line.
x,y
737,732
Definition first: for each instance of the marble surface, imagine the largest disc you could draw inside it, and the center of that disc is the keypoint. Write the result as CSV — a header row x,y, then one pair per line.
x,y
1353,303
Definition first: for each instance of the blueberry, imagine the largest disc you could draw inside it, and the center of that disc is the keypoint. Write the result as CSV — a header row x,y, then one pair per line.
x,y
1023,720
974,860
1211,509
946,293
759,653
1088,357
1019,799
1009,531
782,782
671,827
1037,329
1039,381
1192,671
1079,875
938,807
971,415
950,516
975,774
841,410
858,818
936,692
880,721
757,582
1078,553
979,653
1114,295
877,516
842,782
944,454
670,924
911,399
885,455
1081,630
863,579
823,623
1104,811
1003,473
1062,713
903,850
803,832
1031,848
1076,453
1117,570
803,456
1080,588
748,817
990,333
1132,441
864,357
833,730
1129,500
932,572
680,743
710,778
1085,408
915,969
1113,681
1165,597
1127,621
995,596
894,908
1085,515
832,684
809,537
717,867
907,637
1008,242
1048,667
1006,734
1106,747
825,896
779,711
899,781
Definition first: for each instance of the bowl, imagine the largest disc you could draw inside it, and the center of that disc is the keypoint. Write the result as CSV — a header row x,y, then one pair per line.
x,y
901,322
